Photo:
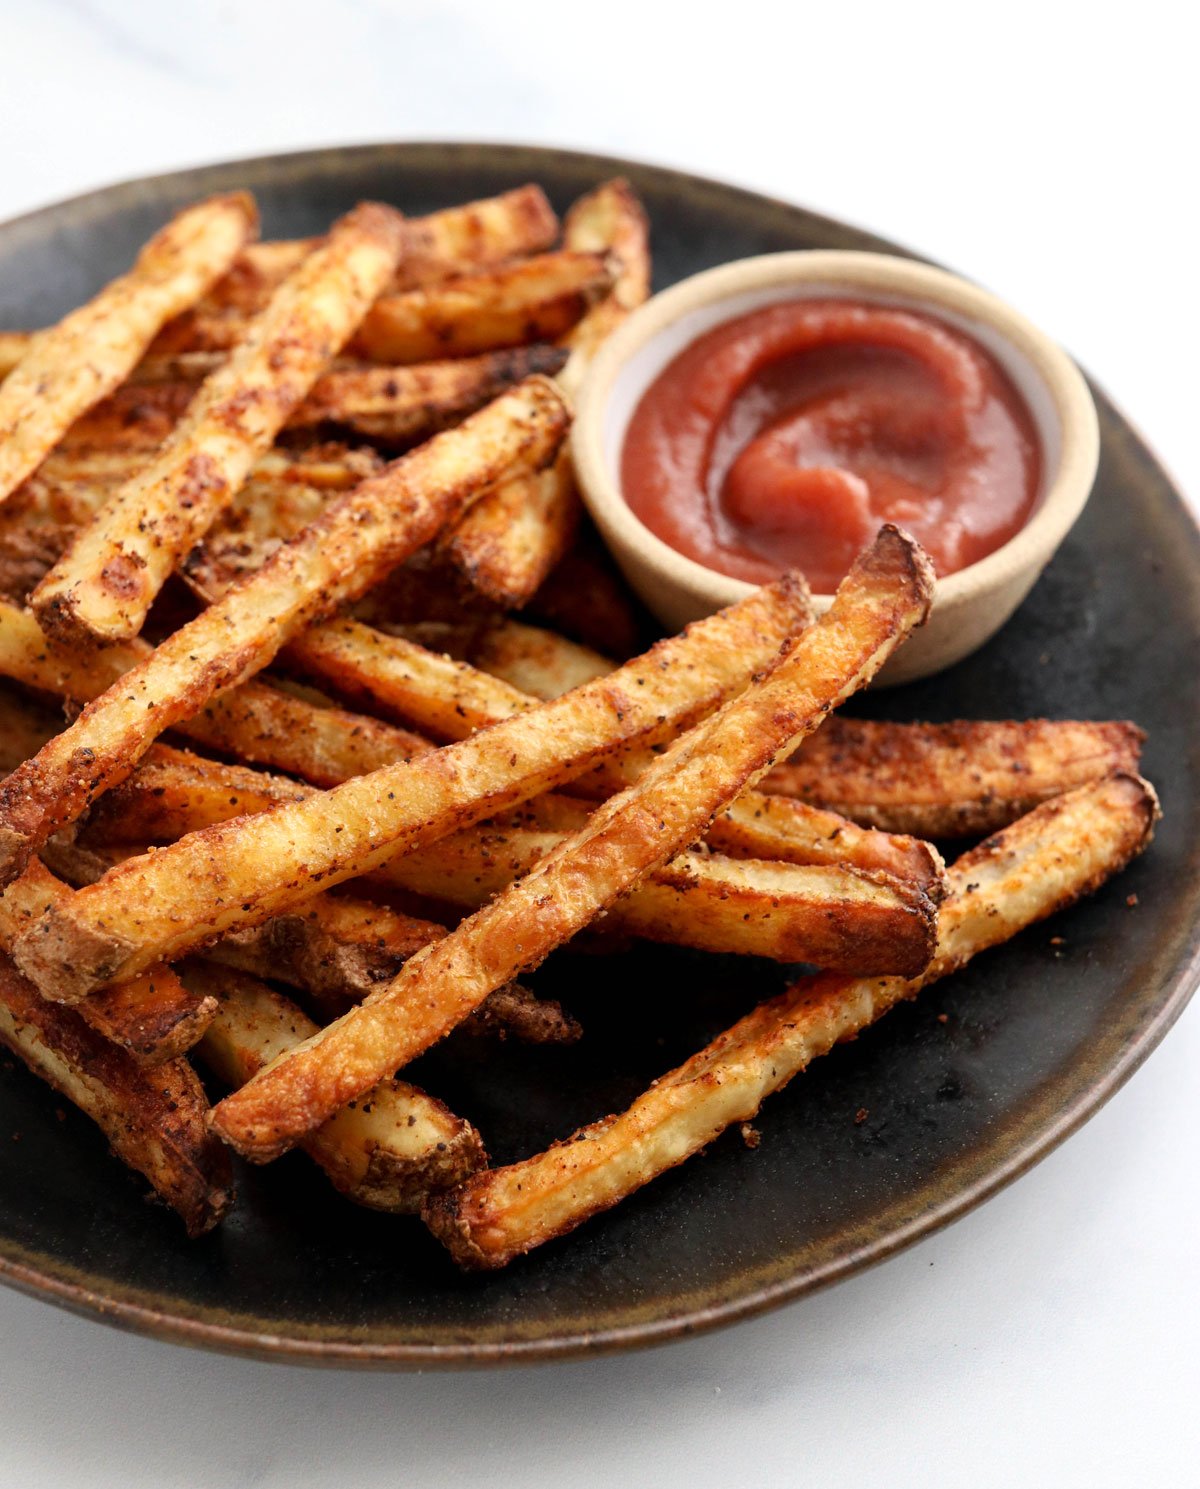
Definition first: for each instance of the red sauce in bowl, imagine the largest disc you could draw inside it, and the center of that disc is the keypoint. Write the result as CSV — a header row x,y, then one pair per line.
x,y
783,438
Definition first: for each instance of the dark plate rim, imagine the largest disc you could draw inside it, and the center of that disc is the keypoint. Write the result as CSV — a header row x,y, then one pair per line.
x,y
38,1276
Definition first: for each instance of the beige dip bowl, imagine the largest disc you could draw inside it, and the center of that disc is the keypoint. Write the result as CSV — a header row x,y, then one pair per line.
x,y
970,606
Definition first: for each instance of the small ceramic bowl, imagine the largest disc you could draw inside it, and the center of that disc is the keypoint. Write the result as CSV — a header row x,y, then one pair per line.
x,y
969,606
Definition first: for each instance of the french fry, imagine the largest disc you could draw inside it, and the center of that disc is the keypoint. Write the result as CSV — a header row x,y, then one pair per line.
x,y
171,900
153,1016
538,662
260,723
537,299
457,240
388,1151
831,916
71,366
334,560
951,780
103,587
1062,850
153,1118
609,220
391,404
886,594
508,542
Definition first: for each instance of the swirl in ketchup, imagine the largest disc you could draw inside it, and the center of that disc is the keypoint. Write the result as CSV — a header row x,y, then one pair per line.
x,y
783,438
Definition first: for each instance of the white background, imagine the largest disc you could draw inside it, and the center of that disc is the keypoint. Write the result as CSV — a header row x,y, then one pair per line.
x,y
1049,151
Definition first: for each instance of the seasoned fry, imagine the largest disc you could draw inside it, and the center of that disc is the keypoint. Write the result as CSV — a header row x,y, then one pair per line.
x,y
71,366
154,1119
171,900
951,780
538,662
609,220
886,594
153,1016
260,723
830,915
388,1151
1062,850
336,558
457,240
104,586
509,541
392,404
537,299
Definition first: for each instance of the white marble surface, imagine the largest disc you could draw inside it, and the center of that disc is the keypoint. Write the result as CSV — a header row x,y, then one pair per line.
x,y
1048,150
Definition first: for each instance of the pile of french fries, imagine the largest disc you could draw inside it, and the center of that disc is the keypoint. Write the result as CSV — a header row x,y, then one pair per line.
x,y
295,591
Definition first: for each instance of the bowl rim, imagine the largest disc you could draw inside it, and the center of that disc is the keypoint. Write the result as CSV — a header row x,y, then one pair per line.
x,y
882,274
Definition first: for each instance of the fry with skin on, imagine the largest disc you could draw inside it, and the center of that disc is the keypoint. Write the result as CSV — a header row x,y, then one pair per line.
x,y
104,586
357,539
260,723
389,1151
391,404
1059,852
509,541
609,220
173,900
153,1118
153,1015
951,780
886,594
537,299
66,369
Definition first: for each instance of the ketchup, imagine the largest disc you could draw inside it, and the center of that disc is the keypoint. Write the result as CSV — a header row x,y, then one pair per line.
x,y
783,438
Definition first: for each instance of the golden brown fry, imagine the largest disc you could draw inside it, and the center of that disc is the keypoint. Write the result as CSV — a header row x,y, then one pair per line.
x,y
886,594
609,220
335,559
951,780
829,915
103,587
513,536
537,299
260,723
537,662
154,1119
153,1015
73,365
392,404
1059,852
269,862
388,1151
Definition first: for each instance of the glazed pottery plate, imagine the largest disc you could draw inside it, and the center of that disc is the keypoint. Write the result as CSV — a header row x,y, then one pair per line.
x,y
920,1119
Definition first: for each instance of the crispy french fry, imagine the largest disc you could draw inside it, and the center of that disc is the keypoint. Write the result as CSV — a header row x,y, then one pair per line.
x,y
153,1016
609,220
509,541
154,1119
257,722
105,584
391,404
951,780
538,662
537,299
73,365
886,594
1059,852
335,559
829,915
388,1151
170,901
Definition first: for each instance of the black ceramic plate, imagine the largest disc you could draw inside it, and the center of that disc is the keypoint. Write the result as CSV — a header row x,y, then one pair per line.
x,y
1036,1036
